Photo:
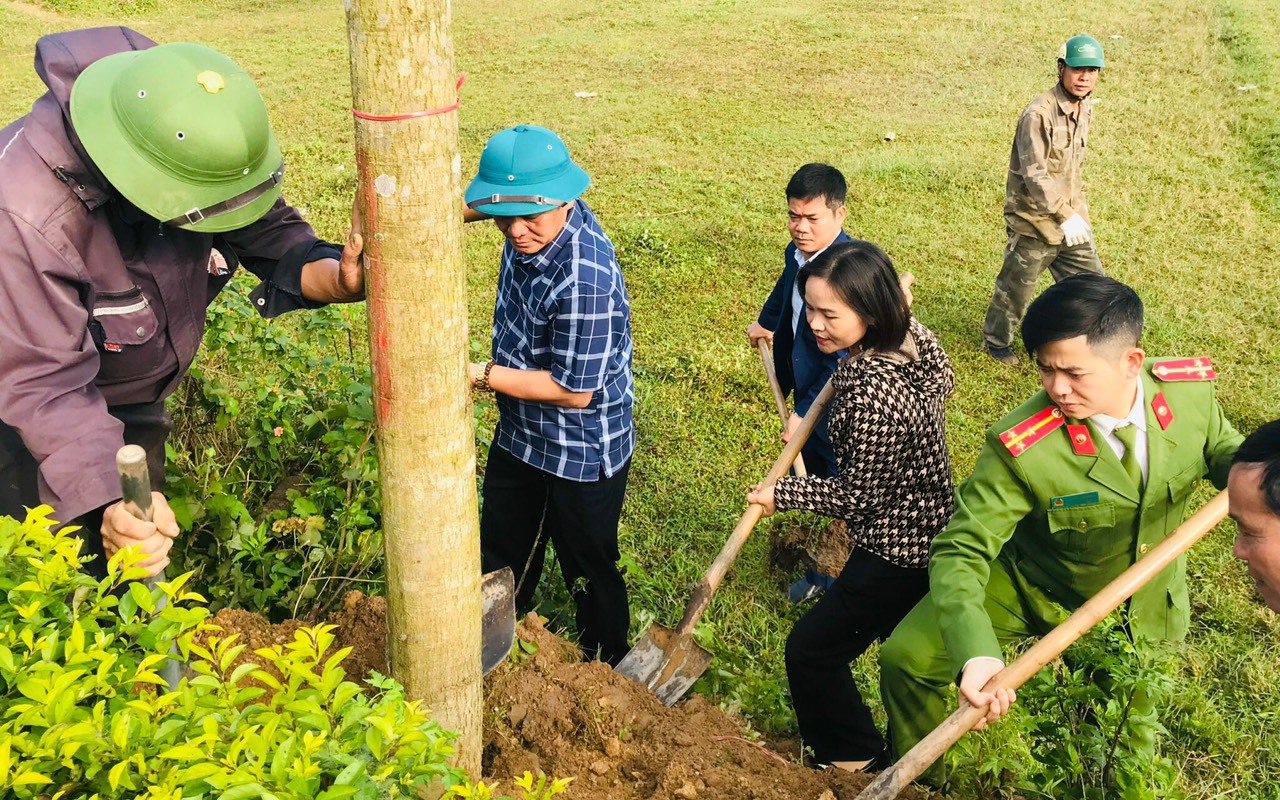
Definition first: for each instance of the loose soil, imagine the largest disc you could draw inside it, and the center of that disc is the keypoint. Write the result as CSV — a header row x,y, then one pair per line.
x,y
549,711
825,550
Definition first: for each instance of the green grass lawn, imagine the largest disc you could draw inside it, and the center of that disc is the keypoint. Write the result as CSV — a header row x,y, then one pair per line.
x,y
704,108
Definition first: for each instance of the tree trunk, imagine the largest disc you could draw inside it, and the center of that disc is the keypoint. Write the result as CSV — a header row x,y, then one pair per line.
x,y
409,199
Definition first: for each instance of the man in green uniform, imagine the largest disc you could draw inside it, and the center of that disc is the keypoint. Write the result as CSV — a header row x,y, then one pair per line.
x,y
1069,490
1045,212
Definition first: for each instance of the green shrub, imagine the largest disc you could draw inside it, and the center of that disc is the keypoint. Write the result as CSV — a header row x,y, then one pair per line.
x,y
272,466
80,714
1071,733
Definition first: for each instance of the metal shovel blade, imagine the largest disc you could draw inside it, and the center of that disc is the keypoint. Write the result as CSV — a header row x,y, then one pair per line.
x,y
667,662
498,595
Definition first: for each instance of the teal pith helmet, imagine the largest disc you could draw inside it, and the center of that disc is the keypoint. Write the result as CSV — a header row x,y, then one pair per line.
x,y
1082,51
181,131
523,171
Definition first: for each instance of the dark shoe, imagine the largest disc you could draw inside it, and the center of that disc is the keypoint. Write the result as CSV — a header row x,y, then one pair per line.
x,y
1004,355
811,586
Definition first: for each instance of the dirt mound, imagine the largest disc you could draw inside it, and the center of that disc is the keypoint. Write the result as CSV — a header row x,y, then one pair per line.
x,y
557,714
361,625
825,550
548,710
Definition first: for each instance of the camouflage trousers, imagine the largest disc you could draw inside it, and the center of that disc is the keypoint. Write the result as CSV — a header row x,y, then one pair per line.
x,y
1024,259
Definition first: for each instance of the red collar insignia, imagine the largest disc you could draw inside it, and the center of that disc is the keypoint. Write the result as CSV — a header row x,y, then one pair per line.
x,y
1164,414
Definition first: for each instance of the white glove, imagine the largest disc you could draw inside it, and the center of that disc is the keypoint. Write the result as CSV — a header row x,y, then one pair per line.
x,y
1076,231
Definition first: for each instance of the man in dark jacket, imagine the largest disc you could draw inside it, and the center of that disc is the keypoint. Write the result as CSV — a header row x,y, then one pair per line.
x,y
115,190
815,213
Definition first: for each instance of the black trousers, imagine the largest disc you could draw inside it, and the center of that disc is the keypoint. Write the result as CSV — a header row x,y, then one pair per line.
x,y
865,604
524,507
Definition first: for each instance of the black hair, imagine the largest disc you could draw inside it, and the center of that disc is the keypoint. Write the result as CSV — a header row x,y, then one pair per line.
x,y
1262,448
1101,309
863,277
818,180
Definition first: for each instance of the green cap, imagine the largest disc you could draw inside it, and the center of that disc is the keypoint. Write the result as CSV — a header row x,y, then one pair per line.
x,y
181,131
523,171
1082,51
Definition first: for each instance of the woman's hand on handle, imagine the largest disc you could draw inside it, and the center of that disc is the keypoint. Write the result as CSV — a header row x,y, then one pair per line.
x,y
762,495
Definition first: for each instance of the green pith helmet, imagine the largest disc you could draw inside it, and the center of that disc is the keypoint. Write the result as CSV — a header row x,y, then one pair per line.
x,y
182,132
1082,51
523,171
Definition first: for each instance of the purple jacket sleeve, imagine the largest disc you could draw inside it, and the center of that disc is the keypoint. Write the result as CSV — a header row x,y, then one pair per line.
x,y
275,248
49,363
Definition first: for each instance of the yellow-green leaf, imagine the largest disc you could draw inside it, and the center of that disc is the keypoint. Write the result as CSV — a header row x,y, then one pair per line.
x,y
183,752
116,773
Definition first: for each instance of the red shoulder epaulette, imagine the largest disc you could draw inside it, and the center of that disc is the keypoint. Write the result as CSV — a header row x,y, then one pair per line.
x,y
1031,430
1184,369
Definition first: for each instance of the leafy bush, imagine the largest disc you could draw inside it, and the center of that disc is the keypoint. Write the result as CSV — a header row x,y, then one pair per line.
x,y
80,714
1072,732
531,788
272,465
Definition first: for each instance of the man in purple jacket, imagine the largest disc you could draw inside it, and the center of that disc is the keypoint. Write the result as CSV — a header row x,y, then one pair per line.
x,y
128,195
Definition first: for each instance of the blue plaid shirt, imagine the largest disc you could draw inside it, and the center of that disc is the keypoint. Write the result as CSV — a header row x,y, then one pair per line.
x,y
565,309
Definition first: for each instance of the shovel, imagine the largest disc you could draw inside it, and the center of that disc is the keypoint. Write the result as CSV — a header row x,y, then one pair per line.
x,y
497,588
135,489
779,399
498,595
669,661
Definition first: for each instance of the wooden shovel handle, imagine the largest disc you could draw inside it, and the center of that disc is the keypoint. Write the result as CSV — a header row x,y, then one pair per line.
x,y
135,481
779,399
711,581
1108,599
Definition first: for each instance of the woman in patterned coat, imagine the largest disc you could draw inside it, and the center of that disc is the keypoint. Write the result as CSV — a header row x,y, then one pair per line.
x,y
892,487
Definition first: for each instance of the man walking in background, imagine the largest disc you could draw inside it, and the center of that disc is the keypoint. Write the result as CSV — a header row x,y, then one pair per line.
x,y
1045,212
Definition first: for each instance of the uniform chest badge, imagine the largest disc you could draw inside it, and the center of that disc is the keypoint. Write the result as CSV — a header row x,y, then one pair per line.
x,y
1073,500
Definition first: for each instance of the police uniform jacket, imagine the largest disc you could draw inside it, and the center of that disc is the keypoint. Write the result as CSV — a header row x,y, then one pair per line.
x,y
1050,499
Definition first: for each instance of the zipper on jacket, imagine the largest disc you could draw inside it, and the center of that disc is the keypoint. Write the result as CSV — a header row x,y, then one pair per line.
x,y
119,295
